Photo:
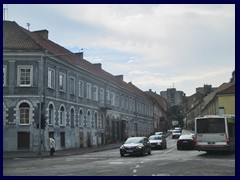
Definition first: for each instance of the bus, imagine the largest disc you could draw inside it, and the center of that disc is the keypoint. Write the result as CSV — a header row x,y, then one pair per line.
x,y
215,133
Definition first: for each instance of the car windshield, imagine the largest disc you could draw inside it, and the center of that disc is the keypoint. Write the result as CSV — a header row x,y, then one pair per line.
x,y
155,138
176,131
189,136
134,140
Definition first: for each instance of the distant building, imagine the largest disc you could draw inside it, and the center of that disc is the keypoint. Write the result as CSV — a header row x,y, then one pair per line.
x,y
173,97
206,89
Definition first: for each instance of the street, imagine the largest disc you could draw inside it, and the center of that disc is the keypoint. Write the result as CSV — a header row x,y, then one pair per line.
x,y
167,162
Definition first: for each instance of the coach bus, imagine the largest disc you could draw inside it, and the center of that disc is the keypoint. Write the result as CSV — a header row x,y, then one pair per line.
x,y
215,133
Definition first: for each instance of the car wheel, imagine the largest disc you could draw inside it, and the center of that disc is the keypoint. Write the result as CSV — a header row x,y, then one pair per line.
x,y
166,146
122,154
178,148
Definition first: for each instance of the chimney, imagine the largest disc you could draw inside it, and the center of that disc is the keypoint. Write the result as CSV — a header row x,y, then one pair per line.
x,y
98,65
79,54
43,33
120,77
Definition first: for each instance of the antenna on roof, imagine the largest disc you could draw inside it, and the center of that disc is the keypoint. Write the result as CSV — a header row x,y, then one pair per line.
x,y
5,10
28,25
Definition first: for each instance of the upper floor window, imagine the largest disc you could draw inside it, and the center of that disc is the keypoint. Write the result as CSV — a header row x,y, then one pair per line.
x,y
62,82
108,95
51,78
89,91
72,85
101,94
80,88
112,99
24,113
25,76
95,93
4,76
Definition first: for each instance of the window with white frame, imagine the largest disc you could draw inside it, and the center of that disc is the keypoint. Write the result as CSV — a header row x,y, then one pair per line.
x,y
62,82
72,85
89,91
25,76
108,96
4,76
112,99
80,88
51,78
24,110
62,116
101,95
95,93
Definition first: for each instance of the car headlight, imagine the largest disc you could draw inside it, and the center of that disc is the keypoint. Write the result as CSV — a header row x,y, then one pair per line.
x,y
122,147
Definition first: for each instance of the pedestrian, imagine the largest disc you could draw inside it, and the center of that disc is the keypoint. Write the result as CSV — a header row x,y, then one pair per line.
x,y
52,146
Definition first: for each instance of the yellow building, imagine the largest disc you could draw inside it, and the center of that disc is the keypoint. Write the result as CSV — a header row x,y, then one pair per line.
x,y
221,102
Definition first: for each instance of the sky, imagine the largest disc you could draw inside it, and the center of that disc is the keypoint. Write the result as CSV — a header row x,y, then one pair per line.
x,y
154,46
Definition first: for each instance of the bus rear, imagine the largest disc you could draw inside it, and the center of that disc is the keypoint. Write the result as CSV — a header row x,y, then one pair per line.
x,y
211,134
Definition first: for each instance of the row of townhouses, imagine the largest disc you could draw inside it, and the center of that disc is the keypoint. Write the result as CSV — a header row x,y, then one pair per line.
x,y
83,105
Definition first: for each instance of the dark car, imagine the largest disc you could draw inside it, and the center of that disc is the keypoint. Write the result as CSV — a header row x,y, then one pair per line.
x,y
185,142
158,142
135,145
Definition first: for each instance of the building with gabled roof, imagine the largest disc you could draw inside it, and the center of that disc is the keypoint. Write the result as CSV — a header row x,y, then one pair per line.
x,y
82,104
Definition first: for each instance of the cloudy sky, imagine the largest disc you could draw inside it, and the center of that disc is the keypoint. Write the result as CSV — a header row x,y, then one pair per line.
x,y
155,46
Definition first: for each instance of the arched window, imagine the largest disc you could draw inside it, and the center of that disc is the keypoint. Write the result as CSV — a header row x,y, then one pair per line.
x,y
89,118
62,116
24,113
81,118
96,119
50,114
72,117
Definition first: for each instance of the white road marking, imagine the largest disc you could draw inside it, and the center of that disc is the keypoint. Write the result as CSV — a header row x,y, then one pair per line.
x,y
134,171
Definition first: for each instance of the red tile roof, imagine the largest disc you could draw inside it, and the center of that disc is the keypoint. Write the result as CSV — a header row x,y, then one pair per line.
x,y
16,38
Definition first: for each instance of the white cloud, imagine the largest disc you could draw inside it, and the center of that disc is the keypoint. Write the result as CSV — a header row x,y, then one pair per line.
x,y
152,45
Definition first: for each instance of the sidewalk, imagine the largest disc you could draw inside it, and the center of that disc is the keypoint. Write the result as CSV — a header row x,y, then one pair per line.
x,y
58,153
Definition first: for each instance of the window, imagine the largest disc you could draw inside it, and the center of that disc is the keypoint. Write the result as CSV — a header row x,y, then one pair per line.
x,y
81,118
80,88
96,119
51,78
72,117
24,113
89,91
107,96
50,114
88,119
72,85
101,95
4,76
112,99
62,116
95,93
25,74
62,82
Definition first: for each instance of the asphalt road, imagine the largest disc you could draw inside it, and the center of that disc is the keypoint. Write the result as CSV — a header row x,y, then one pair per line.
x,y
167,162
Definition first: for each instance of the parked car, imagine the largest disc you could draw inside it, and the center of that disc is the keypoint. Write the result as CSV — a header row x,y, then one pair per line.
x,y
176,134
158,142
185,142
135,145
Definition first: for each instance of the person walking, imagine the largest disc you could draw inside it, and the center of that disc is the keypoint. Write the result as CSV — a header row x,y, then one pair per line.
x,y
52,146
